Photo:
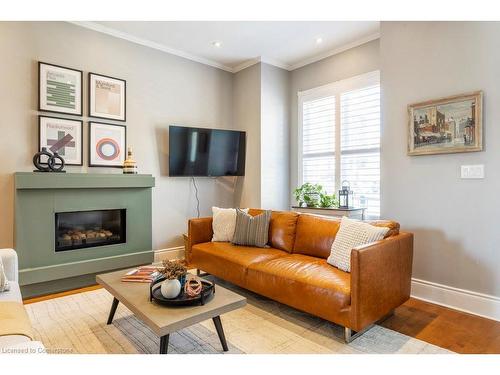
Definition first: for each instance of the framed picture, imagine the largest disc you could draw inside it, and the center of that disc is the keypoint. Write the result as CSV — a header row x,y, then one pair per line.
x,y
107,145
447,125
60,89
63,136
107,97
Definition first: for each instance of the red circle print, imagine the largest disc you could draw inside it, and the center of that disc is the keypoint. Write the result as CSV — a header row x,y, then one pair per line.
x,y
107,149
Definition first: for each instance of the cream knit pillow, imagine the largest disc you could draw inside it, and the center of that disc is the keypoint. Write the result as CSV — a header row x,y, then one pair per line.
x,y
352,233
4,283
223,224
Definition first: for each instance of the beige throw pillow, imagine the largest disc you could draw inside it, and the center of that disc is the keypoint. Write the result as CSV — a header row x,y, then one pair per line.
x,y
252,230
223,224
352,233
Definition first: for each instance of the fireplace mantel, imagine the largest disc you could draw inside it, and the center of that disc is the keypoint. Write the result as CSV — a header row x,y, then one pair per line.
x,y
40,196
40,180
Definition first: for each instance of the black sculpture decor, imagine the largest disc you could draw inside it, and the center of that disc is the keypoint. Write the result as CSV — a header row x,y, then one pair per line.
x,y
52,165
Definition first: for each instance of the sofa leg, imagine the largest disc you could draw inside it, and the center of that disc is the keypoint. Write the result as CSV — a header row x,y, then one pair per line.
x,y
199,273
350,335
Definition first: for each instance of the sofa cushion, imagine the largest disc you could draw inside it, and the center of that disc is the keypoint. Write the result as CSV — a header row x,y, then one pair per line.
x,y
228,261
304,282
251,230
281,228
315,235
14,294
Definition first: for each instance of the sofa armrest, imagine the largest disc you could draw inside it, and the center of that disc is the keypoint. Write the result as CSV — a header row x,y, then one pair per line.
x,y
10,264
199,231
380,278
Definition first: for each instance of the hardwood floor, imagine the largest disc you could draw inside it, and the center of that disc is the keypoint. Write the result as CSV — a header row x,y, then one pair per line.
x,y
441,326
447,328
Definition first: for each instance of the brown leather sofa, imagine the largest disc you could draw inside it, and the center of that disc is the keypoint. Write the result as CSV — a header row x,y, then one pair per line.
x,y
293,270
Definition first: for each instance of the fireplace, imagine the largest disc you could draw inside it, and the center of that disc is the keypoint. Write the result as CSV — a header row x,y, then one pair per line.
x,y
84,229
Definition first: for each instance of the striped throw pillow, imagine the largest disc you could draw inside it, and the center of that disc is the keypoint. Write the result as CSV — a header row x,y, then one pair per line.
x,y
251,230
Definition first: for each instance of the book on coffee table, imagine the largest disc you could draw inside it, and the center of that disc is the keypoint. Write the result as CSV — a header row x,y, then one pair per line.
x,y
143,274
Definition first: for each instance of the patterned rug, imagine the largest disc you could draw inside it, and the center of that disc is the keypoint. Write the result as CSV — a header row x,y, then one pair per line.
x,y
77,324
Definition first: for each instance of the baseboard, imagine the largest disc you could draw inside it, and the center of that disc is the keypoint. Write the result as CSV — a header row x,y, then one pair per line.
x,y
170,253
475,303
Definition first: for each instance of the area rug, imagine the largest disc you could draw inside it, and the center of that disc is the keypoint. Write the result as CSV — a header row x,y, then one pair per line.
x,y
77,324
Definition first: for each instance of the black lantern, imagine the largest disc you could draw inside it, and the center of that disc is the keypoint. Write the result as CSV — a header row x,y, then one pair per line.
x,y
345,195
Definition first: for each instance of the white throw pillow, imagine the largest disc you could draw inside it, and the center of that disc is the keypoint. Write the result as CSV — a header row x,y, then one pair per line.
x,y
352,233
224,223
4,283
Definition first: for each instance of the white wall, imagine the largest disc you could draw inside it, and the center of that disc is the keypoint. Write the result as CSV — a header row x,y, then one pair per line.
x,y
275,138
457,241
162,89
355,61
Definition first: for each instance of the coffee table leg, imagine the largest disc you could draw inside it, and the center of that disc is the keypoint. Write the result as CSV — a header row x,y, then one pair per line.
x,y
114,305
164,344
220,332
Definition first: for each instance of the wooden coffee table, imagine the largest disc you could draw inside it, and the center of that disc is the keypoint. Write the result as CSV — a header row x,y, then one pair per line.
x,y
165,320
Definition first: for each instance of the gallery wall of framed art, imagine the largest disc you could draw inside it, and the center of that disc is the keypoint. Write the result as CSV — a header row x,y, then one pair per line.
x,y
60,90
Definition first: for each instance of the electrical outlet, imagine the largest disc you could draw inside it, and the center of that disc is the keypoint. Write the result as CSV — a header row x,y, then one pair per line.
x,y
472,171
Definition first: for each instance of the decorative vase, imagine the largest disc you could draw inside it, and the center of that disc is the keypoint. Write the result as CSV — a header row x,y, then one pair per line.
x,y
170,288
129,165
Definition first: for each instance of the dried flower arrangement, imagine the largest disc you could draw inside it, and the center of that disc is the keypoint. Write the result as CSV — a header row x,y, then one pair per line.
x,y
173,269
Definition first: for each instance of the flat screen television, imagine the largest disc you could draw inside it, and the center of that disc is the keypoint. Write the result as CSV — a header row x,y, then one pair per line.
x,y
206,152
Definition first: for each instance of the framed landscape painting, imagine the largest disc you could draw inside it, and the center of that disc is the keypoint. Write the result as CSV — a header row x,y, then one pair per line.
x,y
447,125
107,97
107,144
63,136
60,89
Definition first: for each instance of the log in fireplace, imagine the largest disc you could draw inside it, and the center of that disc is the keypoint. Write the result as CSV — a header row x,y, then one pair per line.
x,y
84,229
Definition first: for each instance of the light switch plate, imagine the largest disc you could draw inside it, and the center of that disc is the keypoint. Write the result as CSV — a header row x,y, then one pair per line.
x,y
472,171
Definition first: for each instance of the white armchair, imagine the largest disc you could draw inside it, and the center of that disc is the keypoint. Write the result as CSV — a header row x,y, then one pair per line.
x,y
15,343
10,264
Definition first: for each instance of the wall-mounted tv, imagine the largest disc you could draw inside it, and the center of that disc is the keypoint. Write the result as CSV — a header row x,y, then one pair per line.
x,y
206,152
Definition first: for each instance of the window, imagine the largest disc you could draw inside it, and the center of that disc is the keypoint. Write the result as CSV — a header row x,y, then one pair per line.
x,y
340,138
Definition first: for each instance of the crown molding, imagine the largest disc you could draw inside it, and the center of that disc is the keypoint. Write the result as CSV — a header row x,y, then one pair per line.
x,y
147,43
334,51
161,47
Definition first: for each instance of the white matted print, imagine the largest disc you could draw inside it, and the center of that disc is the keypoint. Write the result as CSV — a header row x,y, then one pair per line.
x,y
63,136
107,145
59,89
107,97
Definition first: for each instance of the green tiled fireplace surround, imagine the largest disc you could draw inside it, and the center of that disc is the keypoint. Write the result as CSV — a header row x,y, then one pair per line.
x,y
40,195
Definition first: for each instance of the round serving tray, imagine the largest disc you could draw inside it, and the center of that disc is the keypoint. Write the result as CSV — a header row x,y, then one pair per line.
x,y
182,299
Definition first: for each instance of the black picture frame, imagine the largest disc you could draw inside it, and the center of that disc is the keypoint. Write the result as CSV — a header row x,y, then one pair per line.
x,y
40,64
66,119
90,74
90,124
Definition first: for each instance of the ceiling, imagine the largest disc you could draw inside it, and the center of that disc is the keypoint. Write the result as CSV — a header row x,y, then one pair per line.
x,y
287,44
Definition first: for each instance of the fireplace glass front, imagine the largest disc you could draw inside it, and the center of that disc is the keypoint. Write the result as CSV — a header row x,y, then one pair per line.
x,y
83,229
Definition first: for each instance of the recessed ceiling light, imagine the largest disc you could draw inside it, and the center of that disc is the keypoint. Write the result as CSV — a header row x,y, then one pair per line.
x,y
319,40
217,44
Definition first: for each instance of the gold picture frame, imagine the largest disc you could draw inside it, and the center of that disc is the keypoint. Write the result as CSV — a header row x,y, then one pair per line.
x,y
447,125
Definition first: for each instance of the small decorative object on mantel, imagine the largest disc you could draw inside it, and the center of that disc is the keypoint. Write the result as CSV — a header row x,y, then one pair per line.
x,y
345,195
129,165
51,164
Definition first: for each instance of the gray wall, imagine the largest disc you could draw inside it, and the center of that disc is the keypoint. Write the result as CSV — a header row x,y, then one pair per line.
x,y
246,117
161,89
355,61
275,137
456,239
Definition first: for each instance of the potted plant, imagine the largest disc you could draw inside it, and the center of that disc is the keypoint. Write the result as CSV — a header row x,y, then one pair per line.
x,y
328,201
173,271
308,193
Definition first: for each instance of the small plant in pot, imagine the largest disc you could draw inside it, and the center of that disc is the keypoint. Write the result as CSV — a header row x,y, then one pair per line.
x,y
174,272
328,201
308,194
